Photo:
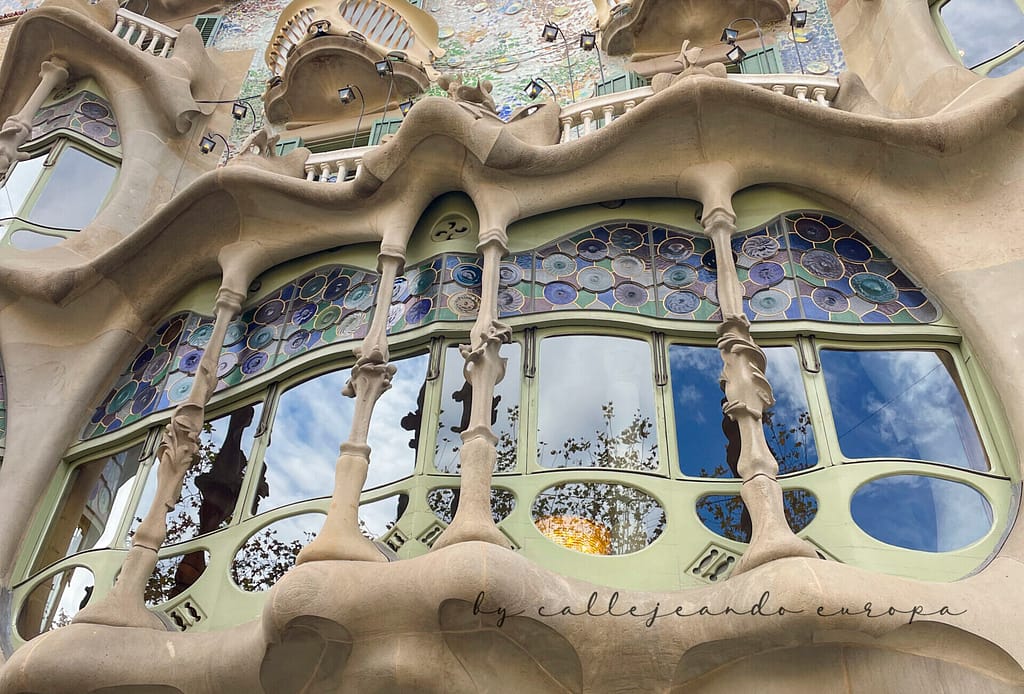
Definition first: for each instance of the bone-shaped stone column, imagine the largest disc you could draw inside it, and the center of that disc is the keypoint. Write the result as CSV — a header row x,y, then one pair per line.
x,y
484,369
18,128
747,394
179,445
340,537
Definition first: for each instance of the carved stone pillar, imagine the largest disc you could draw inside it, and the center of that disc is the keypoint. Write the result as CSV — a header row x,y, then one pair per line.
x,y
18,128
484,369
340,537
125,604
747,394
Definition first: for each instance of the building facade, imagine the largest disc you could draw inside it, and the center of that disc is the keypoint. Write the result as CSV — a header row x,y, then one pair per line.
x,y
333,360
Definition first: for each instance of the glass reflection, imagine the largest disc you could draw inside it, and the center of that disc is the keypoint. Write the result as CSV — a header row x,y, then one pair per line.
x,y
213,482
18,185
314,418
901,404
55,601
74,192
923,513
708,441
444,502
596,404
457,402
94,502
376,518
983,30
31,241
270,553
174,575
727,515
598,518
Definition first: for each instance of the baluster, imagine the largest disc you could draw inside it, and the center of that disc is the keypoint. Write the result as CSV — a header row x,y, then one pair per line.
x,y
359,167
342,170
371,376
629,106
779,89
484,369
609,114
588,121
566,129
819,96
168,45
748,394
118,26
310,173
800,92
125,604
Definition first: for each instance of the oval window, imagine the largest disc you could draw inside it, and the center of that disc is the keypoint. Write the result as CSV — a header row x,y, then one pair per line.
x,y
55,601
444,501
268,554
726,514
598,518
174,575
923,513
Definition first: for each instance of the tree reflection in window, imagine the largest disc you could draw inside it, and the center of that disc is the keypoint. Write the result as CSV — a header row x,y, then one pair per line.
x,y
173,575
54,602
708,441
901,404
270,553
727,515
445,501
608,518
457,401
596,404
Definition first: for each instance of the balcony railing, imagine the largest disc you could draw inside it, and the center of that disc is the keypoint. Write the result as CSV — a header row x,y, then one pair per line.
x,y
145,34
583,118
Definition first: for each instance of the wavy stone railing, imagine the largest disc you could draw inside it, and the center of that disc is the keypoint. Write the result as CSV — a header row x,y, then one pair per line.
x,y
337,165
291,34
587,116
145,34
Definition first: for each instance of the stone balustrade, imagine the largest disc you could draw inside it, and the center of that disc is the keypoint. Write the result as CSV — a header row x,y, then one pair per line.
x,y
290,35
336,166
585,117
144,33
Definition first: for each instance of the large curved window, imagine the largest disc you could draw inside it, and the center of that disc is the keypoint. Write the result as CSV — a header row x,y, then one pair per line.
x,y
611,434
987,36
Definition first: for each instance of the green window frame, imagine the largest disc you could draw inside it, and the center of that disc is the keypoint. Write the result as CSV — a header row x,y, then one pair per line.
x,y
208,25
1005,59
32,182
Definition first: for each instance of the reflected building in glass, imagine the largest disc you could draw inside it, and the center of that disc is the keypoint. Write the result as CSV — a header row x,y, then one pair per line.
x,y
696,372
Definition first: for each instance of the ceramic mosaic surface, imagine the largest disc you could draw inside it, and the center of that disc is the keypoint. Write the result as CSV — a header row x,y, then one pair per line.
x,y
816,267
801,266
84,112
817,43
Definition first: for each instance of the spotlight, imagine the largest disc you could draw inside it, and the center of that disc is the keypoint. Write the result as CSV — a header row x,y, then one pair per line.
x,y
207,144
383,68
798,19
588,41
405,106
533,89
736,55
550,32
346,94
729,35
239,110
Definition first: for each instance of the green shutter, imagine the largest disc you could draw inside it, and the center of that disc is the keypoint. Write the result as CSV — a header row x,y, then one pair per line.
x,y
621,83
382,127
285,146
208,24
754,65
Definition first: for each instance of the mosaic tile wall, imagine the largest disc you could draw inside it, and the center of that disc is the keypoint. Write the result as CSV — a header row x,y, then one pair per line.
x,y
801,266
84,112
499,40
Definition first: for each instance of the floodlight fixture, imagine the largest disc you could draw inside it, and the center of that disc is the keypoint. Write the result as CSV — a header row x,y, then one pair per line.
x,y
405,106
729,35
588,40
536,87
384,68
798,19
550,32
346,95
239,110
736,55
207,144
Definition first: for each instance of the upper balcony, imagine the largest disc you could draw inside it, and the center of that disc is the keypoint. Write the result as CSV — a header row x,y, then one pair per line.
x,y
318,48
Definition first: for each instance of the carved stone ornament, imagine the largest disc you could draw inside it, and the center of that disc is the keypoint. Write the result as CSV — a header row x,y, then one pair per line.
x,y
475,99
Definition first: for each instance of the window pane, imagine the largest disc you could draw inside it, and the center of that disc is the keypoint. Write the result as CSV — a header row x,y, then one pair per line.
x,y
19,184
708,441
214,481
596,404
55,601
901,404
456,402
314,418
26,240
1009,66
922,513
74,192
94,503
268,554
982,30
